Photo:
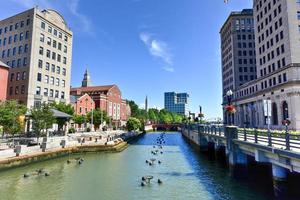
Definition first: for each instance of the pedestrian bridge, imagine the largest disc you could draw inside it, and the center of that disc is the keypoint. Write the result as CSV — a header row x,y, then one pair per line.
x,y
282,150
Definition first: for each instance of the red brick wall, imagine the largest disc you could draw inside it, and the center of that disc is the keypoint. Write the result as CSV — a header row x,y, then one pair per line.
x,y
3,83
86,103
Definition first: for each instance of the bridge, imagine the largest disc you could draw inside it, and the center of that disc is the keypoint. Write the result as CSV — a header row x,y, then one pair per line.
x,y
280,150
166,127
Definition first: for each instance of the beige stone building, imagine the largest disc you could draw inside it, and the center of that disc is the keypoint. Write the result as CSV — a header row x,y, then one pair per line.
x,y
37,45
277,42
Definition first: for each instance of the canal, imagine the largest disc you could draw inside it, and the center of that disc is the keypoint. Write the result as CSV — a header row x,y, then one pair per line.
x,y
186,174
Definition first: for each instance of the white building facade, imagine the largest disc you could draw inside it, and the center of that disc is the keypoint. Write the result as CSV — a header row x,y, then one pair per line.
x,y
277,42
37,45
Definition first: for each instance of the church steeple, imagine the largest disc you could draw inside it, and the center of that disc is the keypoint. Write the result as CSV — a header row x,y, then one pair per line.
x,y
86,82
146,103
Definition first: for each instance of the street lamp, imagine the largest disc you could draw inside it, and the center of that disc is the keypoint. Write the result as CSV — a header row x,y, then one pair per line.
x,y
230,109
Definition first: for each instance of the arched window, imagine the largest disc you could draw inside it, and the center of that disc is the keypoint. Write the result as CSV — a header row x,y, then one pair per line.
x,y
274,114
285,110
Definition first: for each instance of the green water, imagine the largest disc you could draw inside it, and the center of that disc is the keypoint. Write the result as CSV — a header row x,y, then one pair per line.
x,y
184,173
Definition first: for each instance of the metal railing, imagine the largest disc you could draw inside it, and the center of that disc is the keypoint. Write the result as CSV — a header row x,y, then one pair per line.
x,y
278,139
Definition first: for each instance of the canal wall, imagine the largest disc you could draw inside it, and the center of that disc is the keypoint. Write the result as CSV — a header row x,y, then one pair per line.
x,y
13,162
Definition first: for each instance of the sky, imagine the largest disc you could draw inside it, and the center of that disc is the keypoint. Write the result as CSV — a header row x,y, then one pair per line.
x,y
146,47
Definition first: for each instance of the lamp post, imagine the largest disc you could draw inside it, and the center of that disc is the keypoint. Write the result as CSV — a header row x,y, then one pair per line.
x,y
92,120
229,94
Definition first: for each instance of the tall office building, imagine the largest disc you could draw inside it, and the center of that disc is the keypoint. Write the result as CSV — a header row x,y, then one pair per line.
x,y
238,52
37,45
277,39
177,102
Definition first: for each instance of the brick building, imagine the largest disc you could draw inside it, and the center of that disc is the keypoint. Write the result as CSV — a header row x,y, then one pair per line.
x,y
107,98
82,104
3,80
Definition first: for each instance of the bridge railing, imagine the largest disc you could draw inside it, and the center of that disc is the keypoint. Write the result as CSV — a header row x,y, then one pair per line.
x,y
278,139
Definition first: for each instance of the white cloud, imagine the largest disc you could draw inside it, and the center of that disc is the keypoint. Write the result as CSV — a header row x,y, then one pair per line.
x,y
84,20
72,5
158,49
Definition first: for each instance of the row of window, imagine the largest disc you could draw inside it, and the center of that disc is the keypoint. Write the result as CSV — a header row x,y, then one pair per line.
x,y
264,84
244,45
49,92
53,43
268,19
54,68
19,76
245,53
14,51
271,55
270,42
54,31
246,61
18,62
51,80
272,68
246,78
15,38
53,56
17,90
16,26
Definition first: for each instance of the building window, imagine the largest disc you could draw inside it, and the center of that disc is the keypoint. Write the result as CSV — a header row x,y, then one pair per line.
x,y
64,71
24,75
48,53
53,68
41,51
50,29
63,83
58,70
20,49
25,48
40,64
10,90
39,77
54,43
46,79
62,95
17,90
57,82
18,76
56,94
49,41
21,36
23,89
65,60
65,49
25,61
26,34
43,25
38,90
47,66
53,56
12,76
285,111
51,93
46,92
55,32
42,37
52,80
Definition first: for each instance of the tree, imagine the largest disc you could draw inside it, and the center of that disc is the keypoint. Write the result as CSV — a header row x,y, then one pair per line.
x,y
99,116
79,119
133,124
165,116
65,108
12,117
177,118
134,108
42,119
153,115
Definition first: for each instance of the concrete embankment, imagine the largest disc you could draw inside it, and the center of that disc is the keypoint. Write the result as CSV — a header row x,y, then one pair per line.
x,y
55,153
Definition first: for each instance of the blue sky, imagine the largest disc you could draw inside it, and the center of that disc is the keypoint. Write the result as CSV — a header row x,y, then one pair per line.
x,y
146,47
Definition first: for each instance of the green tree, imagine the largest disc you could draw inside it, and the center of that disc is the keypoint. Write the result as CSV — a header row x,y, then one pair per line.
x,y
153,115
99,116
65,108
177,118
134,108
165,116
79,119
42,119
12,117
133,124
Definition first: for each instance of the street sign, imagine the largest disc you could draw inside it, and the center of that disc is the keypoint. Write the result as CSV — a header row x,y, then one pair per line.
x,y
267,108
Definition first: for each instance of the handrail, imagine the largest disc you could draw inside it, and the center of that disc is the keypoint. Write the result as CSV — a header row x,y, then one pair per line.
x,y
278,139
